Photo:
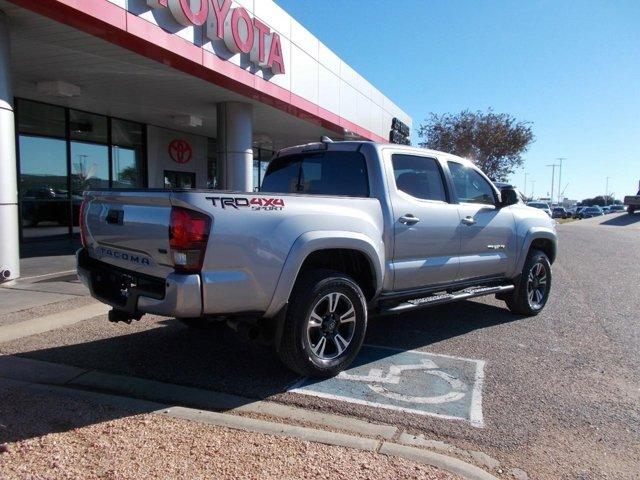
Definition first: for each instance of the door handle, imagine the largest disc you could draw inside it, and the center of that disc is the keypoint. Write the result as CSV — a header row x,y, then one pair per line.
x,y
409,219
469,220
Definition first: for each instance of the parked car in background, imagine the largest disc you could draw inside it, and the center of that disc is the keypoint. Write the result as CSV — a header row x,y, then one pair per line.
x,y
593,211
578,211
605,210
617,208
542,206
560,212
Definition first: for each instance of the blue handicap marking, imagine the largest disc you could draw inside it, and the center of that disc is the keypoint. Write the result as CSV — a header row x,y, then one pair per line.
x,y
409,381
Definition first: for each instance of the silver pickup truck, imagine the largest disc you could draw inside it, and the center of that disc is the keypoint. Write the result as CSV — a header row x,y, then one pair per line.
x,y
339,231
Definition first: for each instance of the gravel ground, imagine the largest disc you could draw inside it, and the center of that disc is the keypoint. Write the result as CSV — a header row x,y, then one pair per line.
x,y
55,437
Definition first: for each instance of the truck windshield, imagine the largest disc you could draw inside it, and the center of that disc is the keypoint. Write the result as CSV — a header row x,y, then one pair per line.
x,y
318,173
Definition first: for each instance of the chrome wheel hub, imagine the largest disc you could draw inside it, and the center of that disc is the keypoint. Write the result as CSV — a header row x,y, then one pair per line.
x,y
537,288
331,326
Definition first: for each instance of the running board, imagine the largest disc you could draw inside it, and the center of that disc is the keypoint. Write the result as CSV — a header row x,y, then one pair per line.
x,y
441,298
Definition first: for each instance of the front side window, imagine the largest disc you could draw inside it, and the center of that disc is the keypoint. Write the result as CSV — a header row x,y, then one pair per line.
x,y
419,177
318,173
470,186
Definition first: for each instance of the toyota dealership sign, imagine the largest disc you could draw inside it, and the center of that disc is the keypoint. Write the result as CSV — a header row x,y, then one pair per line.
x,y
240,32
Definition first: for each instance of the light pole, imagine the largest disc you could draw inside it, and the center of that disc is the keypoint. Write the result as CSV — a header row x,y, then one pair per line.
x,y
533,187
560,196
606,192
525,183
553,179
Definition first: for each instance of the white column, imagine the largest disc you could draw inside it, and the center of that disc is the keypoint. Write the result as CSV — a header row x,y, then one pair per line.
x,y
235,155
9,242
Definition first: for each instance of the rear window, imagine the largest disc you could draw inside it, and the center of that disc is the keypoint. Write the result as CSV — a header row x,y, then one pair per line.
x,y
318,173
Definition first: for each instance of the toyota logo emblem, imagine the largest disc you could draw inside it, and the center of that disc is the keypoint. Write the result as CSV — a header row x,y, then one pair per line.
x,y
180,151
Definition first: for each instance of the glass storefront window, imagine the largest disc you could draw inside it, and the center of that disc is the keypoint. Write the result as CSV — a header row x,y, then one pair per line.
x,y
44,197
261,159
212,164
88,127
62,153
36,118
89,167
127,152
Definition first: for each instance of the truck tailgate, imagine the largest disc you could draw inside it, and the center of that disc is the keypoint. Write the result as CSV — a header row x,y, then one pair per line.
x,y
129,229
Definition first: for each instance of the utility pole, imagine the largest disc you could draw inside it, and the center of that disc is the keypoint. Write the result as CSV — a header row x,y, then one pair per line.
x,y
553,179
525,183
560,196
606,192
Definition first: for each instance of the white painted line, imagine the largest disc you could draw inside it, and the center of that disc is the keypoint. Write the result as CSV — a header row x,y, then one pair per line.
x,y
51,322
475,416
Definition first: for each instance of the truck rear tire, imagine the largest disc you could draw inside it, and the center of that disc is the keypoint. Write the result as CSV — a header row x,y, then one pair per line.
x,y
533,288
325,324
631,210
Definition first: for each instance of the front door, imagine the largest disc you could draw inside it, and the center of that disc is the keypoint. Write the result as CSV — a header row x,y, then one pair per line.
x,y
487,231
426,231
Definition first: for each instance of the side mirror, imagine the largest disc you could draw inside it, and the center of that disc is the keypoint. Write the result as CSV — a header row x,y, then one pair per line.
x,y
509,196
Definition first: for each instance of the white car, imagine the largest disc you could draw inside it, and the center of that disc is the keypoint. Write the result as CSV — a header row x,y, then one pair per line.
x,y
541,206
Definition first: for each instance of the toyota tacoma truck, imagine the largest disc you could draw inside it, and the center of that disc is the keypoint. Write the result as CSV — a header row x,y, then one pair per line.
x,y
339,231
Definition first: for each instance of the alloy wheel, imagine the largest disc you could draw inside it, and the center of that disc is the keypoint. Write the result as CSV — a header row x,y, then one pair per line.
x,y
331,326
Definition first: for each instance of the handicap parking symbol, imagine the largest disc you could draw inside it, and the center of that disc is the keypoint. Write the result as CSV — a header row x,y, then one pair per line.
x,y
410,381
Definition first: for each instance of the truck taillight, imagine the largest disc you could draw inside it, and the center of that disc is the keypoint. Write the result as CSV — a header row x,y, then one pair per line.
x,y
188,236
84,234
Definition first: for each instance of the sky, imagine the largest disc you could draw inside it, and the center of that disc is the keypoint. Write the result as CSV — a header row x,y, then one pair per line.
x,y
571,68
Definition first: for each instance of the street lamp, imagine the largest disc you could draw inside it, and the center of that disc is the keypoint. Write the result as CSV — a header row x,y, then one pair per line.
x,y
560,195
606,192
553,179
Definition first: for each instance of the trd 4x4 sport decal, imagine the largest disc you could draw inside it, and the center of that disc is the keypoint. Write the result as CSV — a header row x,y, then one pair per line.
x,y
255,203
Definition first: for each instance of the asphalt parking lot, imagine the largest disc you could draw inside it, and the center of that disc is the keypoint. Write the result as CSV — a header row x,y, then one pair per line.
x,y
556,395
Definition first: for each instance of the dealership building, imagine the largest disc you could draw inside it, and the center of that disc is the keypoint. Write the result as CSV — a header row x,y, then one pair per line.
x,y
159,94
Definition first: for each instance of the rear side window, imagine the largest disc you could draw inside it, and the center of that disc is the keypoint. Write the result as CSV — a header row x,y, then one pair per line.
x,y
470,186
419,177
318,173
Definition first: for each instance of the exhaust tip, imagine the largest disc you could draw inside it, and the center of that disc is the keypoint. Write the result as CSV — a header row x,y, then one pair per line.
x,y
5,274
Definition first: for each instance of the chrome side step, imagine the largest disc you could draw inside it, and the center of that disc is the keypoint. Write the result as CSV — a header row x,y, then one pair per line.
x,y
440,298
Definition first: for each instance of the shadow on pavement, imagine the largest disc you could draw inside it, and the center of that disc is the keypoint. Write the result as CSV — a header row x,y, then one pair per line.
x,y
220,361
622,220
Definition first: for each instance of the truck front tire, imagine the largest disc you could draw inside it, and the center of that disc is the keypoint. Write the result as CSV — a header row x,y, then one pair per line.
x,y
325,324
533,288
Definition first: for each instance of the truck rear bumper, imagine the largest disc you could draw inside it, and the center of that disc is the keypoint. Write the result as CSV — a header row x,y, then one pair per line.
x,y
175,296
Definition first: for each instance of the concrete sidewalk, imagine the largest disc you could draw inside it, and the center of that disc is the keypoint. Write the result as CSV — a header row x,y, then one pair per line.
x,y
45,281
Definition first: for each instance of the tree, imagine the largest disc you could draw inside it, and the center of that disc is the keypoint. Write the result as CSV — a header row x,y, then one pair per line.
x,y
599,200
495,142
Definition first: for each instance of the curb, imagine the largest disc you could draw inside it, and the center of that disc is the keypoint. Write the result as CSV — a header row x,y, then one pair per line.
x,y
443,462
34,326
29,370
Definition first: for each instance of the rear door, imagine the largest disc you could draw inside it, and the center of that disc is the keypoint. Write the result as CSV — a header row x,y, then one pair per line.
x,y
487,232
130,229
427,241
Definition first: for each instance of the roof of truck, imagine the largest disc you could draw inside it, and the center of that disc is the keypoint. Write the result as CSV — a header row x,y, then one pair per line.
x,y
357,144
